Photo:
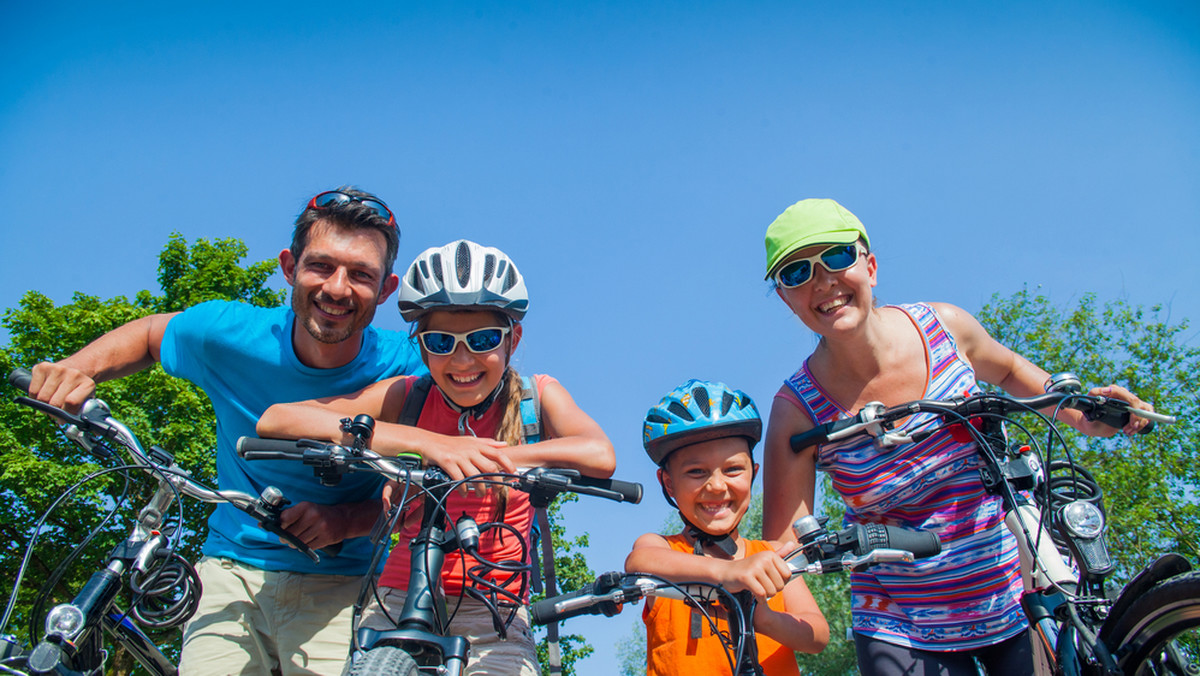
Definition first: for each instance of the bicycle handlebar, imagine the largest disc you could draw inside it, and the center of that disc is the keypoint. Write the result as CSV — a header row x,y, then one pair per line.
x,y
876,419
856,547
95,420
330,455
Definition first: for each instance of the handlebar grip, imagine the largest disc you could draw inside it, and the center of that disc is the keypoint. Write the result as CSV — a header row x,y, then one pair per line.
x,y
572,604
817,435
921,543
277,448
593,599
629,491
20,379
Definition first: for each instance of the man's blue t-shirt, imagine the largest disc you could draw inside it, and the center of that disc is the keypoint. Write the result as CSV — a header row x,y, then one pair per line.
x,y
243,359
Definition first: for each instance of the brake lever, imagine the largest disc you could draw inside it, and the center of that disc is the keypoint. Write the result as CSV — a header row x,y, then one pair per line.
x,y
266,511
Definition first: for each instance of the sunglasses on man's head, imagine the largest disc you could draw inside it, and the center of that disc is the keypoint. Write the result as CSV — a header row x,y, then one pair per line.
x,y
332,198
834,259
478,341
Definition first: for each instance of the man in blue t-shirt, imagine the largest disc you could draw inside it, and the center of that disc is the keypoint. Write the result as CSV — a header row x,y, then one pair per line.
x,y
266,608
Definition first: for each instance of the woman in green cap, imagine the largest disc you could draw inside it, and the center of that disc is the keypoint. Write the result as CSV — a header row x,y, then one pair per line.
x,y
937,614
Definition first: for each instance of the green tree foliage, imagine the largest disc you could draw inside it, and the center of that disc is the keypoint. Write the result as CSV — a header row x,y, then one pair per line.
x,y
1150,482
37,464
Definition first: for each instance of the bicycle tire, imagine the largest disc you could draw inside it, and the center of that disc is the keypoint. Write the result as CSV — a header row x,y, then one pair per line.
x,y
385,661
1157,622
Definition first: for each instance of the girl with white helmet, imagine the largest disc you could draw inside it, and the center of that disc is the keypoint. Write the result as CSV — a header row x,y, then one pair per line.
x,y
466,303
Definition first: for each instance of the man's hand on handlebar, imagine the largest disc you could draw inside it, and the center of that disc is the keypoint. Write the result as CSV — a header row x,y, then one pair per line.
x,y
320,526
61,386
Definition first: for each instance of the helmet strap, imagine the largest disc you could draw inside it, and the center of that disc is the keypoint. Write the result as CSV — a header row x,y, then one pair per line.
x,y
702,540
476,411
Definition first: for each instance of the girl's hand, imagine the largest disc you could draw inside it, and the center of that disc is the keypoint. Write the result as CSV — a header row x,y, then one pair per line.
x,y
1096,428
461,457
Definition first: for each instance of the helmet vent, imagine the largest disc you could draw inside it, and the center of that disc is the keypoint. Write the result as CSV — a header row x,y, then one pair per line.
x,y
510,280
679,410
700,396
435,262
415,279
489,268
726,403
462,256
658,418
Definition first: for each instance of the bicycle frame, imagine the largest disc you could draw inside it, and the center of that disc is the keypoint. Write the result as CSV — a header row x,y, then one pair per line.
x,y
421,626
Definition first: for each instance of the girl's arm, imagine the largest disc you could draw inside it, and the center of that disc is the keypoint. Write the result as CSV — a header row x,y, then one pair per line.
x,y
575,441
801,626
321,419
789,479
1000,366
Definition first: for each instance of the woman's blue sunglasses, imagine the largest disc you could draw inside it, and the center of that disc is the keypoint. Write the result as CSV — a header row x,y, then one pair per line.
x,y
479,341
834,259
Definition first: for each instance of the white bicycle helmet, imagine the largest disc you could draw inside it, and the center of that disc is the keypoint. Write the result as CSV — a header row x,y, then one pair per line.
x,y
462,274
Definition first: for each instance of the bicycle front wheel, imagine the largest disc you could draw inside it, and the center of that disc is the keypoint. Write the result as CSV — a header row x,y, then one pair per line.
x,y
1160,633
385,661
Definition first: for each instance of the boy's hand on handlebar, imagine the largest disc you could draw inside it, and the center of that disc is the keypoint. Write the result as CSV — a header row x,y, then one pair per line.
x,y
1136,423
60,386
763,574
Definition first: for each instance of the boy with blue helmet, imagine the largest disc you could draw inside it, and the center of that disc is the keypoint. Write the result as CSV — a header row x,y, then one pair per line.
x,y
702,436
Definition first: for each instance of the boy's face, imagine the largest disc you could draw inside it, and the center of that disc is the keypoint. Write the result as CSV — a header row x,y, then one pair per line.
x,y
711,481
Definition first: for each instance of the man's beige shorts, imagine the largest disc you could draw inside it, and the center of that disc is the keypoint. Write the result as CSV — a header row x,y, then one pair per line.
x,y
253,621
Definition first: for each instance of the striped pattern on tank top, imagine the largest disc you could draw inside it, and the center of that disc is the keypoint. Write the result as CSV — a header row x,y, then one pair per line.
x,y
966,597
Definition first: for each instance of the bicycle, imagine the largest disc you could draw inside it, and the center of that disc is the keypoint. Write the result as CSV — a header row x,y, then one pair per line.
x,y
820,551
165,588
1055,510
420,642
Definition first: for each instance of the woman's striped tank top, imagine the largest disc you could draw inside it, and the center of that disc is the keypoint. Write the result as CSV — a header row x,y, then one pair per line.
x,y
967,596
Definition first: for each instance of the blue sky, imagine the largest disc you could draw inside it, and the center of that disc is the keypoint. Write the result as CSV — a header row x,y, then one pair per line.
x,y
628,156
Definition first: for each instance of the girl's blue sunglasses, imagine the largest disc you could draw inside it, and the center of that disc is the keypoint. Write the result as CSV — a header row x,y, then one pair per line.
x,y
834,259
478,341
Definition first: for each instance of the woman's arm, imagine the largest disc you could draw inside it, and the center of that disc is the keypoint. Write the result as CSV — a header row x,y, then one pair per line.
x,y
1000,366
789,479
575,441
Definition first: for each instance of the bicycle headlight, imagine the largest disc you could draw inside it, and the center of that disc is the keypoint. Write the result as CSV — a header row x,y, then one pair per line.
x,y
1083,519
64,620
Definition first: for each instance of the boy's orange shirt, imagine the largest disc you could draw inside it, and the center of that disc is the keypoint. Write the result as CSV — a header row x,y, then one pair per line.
x,y
671,651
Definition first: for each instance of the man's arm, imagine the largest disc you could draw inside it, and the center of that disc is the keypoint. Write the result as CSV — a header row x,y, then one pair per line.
x,y
124,350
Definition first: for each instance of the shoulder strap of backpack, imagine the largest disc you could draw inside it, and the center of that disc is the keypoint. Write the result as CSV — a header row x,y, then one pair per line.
x,y
414,400
531,411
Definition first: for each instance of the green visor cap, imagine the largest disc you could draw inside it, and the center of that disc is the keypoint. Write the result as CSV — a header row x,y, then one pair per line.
x,y
809,222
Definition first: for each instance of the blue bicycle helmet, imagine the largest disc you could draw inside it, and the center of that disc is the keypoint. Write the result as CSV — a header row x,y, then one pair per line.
x,y
699,410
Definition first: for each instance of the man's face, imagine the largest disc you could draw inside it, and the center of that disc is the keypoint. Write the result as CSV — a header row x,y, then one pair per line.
x,y
338,281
